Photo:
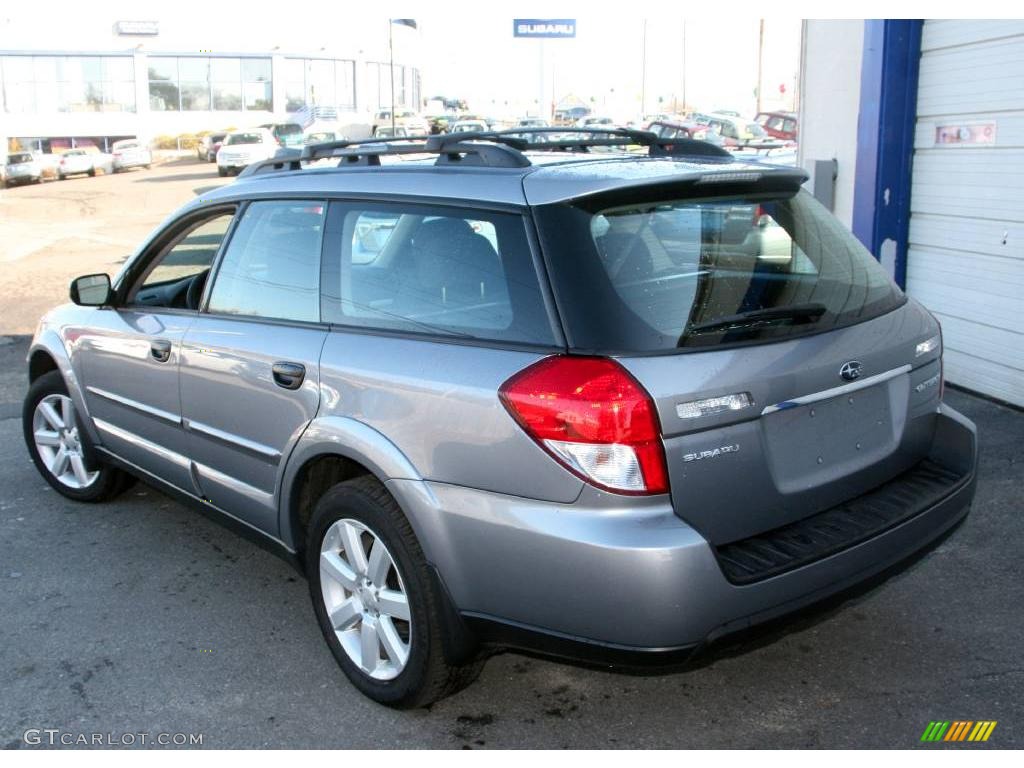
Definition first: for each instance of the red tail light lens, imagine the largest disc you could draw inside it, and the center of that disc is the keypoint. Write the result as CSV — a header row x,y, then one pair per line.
x,y
594,418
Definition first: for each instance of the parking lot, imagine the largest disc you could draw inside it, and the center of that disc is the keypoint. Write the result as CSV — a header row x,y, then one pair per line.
x,y
140,615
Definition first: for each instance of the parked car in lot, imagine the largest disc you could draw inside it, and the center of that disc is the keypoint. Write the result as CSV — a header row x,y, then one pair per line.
x,y
22,168
532,122
735,131
285,134
130,153
316,137
461,126
241,148
387,132
682,129
77,161
209,145
606,407
778,125
413,124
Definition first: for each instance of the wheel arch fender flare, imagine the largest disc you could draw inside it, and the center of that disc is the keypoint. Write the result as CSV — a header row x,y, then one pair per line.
x,y
350,439
48,342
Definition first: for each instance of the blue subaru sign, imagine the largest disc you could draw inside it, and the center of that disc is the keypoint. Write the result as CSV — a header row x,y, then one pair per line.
x,y
544,27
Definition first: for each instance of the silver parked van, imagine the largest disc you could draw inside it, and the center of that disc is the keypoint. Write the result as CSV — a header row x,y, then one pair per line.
x,y
492,392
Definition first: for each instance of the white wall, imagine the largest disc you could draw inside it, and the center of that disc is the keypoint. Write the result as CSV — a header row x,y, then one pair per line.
x,y
830,64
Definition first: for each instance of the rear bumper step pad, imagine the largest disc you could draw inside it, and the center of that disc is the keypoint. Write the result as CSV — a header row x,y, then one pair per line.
x,y
784,549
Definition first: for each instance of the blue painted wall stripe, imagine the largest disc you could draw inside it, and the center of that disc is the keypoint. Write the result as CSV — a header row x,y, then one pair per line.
x,y
885,137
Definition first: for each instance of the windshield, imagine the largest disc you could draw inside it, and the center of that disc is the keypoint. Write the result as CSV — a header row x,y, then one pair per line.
x,y
23,158
684,274
245,138
755,130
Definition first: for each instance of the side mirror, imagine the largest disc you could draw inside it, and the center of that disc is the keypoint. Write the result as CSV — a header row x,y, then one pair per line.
x,y
91,290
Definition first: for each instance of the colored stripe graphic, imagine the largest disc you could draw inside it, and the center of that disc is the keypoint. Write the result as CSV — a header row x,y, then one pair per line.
x,y
958,730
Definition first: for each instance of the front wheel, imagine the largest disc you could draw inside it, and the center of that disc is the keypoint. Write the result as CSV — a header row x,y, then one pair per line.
x,y
377,604
60,447
221,171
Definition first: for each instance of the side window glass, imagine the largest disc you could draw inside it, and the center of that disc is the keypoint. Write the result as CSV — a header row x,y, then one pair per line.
x,y
371,234
271,267
177,276
431,270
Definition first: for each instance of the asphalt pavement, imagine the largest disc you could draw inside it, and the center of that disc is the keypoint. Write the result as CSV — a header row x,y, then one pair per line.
x,y
142,617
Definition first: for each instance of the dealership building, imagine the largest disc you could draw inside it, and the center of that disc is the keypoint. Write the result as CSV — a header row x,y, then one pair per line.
x,y
914,133
102,79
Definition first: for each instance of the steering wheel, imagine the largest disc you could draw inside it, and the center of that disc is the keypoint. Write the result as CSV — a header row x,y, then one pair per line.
x,y
195,290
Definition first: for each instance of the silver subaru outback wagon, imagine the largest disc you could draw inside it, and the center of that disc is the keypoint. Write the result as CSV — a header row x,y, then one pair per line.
x,y
604,397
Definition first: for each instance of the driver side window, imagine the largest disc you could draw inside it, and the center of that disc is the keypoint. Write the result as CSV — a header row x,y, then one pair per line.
x,y
176,277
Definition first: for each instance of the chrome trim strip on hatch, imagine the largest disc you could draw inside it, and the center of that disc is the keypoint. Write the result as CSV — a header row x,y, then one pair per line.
x,y
844,389
149,410
239,442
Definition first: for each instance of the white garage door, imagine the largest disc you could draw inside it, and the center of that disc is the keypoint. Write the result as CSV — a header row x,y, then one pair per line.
x,y
966,257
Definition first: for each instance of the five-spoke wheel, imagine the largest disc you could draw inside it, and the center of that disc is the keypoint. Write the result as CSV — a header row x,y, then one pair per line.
x,y
55,432
365,599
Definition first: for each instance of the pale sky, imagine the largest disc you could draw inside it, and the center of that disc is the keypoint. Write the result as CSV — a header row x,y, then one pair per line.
x,y
473,55
481,61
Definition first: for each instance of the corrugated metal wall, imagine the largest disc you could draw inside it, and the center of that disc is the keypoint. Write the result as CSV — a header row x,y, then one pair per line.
x,y
966,256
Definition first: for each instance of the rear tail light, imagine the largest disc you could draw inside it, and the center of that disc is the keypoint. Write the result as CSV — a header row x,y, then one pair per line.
x,y
594,418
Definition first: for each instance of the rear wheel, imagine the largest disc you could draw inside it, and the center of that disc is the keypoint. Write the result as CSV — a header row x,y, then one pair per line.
x,y
221,171
92,171
376,602
59,444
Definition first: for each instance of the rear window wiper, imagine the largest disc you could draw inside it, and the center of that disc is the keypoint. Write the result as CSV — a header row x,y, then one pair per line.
x,y
802,312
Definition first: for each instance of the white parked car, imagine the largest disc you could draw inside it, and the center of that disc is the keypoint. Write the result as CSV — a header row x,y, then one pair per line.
x,y
76,161
242,148
470,125
130,153
22,168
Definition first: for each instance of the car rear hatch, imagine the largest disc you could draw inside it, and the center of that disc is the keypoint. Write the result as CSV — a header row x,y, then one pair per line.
x,y
790,375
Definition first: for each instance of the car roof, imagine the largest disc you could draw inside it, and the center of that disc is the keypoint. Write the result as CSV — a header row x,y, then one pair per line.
x,y
550,178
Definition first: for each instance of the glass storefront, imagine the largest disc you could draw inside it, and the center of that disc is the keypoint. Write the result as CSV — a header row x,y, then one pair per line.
x,y
46,84
320,83
205,83
378,83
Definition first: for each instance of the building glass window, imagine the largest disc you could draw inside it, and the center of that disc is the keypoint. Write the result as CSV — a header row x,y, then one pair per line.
x,y
201,83
319,82
378,81
47,84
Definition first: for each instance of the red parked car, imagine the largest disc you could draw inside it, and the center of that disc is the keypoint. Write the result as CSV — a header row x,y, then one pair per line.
x,y
779,125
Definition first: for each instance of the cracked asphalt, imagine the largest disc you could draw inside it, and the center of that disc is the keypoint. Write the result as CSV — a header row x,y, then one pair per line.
x,y
140,616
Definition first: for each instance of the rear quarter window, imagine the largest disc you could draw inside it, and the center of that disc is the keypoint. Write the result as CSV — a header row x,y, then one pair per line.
x,y
433,270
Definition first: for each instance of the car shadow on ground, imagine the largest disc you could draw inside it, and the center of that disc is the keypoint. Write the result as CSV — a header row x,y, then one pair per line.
x,y
175,177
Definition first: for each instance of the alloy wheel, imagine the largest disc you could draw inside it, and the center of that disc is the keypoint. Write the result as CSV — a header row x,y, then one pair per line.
x,y
365,599
55,432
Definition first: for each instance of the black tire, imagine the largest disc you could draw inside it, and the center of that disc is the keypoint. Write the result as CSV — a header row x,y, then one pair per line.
x,y
61,177
221,171
427,675
92,171
108,483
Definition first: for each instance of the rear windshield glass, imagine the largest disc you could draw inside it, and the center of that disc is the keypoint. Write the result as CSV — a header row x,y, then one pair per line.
x,y
25,158
685,274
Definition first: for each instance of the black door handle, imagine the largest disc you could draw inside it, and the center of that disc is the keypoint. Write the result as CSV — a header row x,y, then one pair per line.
x,y
289,375
160,350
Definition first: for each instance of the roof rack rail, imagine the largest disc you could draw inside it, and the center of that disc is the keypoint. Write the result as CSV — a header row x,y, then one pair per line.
x,y
614,137
464,148
494,149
